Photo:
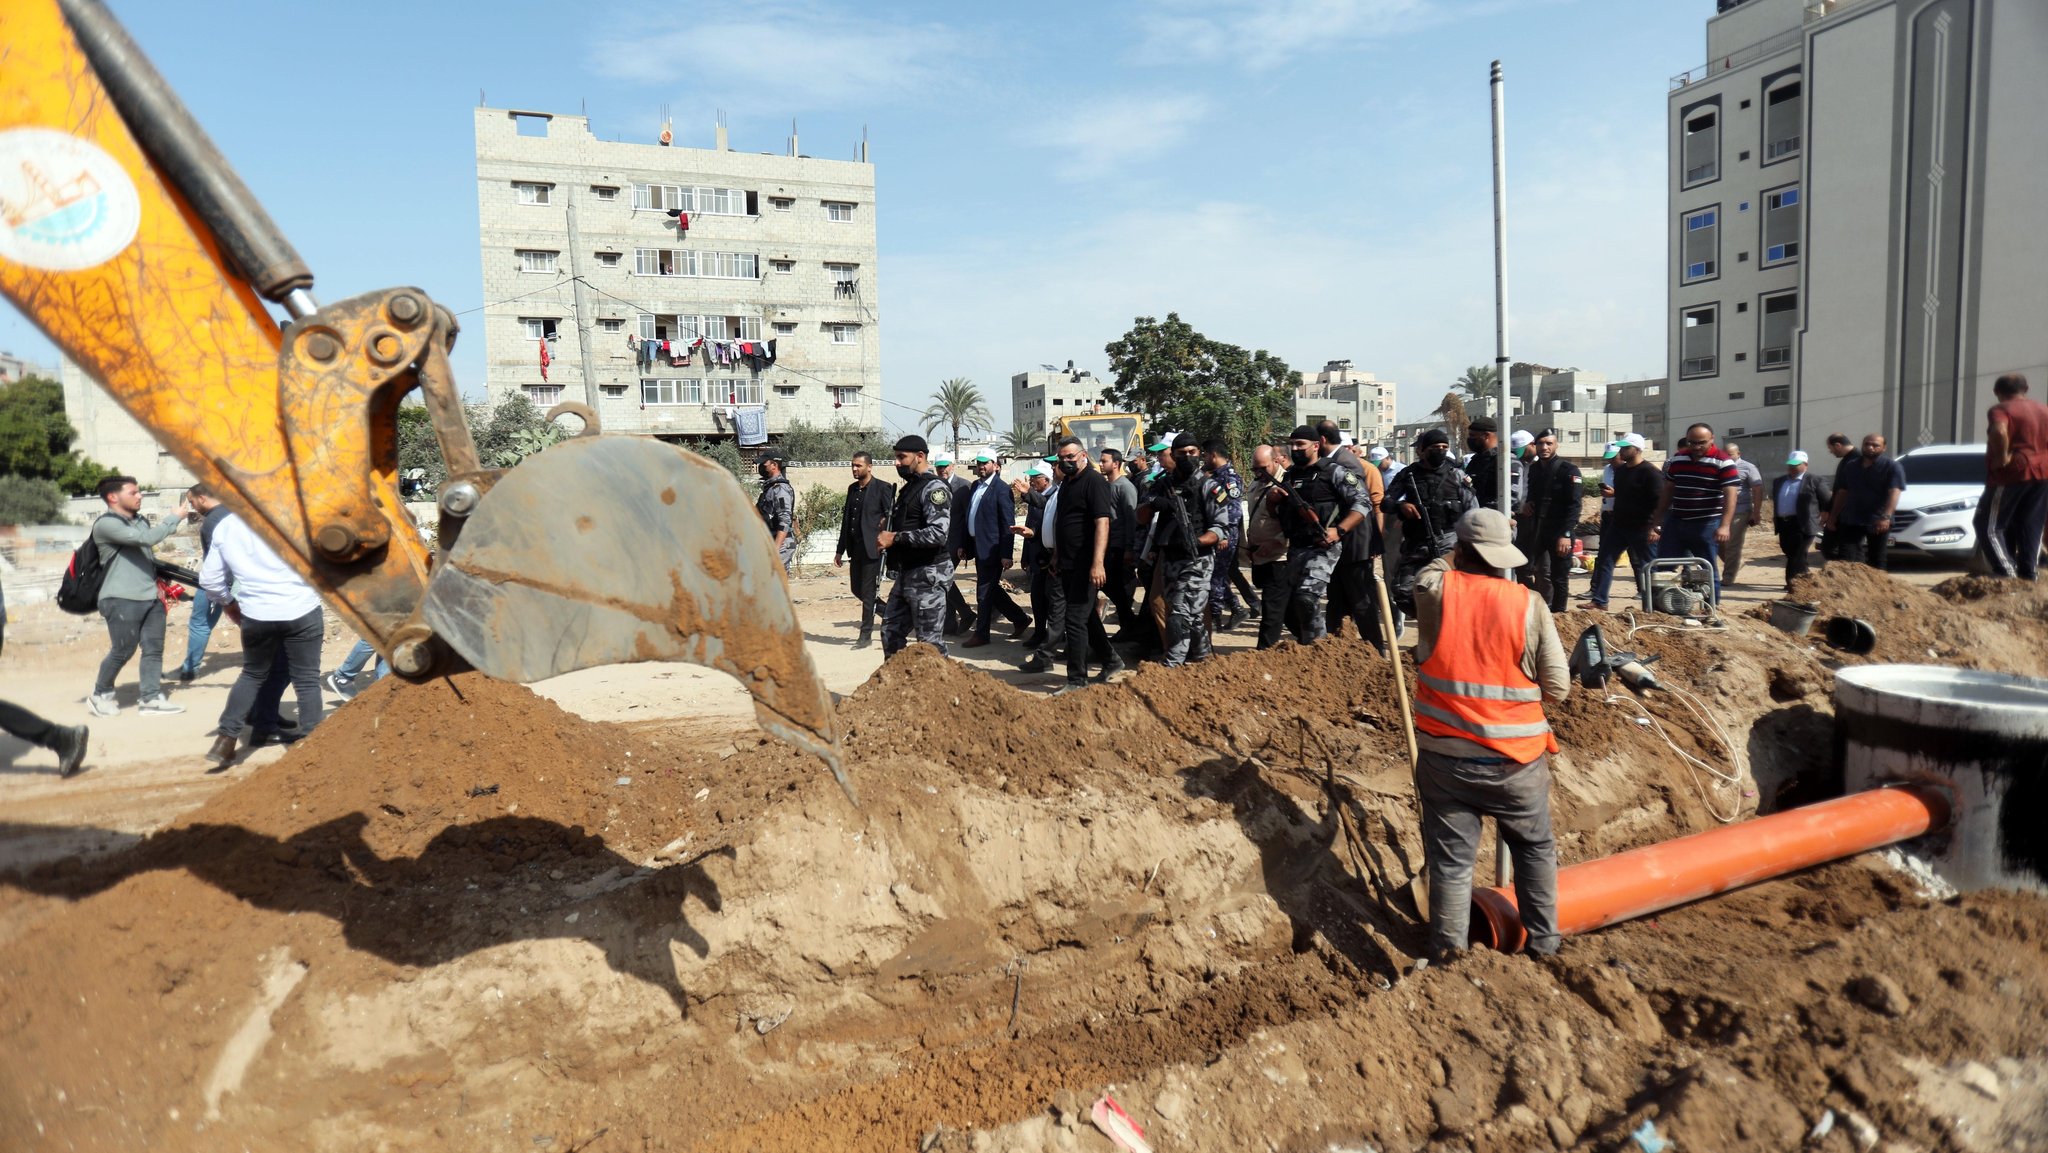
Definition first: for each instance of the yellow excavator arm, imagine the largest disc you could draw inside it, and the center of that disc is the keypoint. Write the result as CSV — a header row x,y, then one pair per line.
x,y
131,242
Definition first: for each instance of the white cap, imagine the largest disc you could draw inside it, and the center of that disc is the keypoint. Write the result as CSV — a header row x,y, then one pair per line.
x,y
1376,453
1036,470
1634,440
1521,439
1798,457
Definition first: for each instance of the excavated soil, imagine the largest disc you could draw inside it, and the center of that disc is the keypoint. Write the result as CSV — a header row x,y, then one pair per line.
x,y
458,917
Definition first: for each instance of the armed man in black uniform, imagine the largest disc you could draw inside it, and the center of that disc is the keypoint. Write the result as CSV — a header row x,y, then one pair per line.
x,y
1318,502
920,525
1429,496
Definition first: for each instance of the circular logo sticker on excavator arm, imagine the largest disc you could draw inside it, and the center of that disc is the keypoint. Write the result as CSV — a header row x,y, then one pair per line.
x,y
65,205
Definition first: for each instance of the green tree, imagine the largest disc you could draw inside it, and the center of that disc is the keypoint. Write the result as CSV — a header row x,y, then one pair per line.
x,y
1022,441
817,511
505,434
957,405
36,437
1480,382
835,442
1185,382
30,501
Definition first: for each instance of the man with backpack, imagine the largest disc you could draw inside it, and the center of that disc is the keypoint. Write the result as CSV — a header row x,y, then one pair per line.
x,y
127,595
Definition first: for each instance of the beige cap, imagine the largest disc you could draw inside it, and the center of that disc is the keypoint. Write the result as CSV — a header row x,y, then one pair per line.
x,y
1492,537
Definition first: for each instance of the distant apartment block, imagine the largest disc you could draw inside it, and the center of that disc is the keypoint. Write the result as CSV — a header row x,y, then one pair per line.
x,y
13,368
1039,399
594,247
1646,402
1854,219
107,434
1360,403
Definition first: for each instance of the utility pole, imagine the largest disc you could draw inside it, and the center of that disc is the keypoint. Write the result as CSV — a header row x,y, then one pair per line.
x,y
1501,872
1500,281
580,295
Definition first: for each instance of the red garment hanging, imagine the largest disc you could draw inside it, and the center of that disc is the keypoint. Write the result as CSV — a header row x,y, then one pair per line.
x,y
543,361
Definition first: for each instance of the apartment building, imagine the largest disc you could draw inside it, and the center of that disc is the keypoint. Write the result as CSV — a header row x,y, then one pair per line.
x,y
1853,243
1646,402
1039,399
107,434
1360,403
678,291
13,368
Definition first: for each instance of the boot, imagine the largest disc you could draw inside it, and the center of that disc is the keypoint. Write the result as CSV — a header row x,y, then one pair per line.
x,y
867,638
222,754
1040,662
1114,666
69,745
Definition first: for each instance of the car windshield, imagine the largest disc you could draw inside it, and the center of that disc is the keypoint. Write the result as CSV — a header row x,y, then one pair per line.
x,y
1944,468
1100,432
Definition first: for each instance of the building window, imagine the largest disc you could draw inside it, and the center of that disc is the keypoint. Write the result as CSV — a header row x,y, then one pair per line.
x,y
661,262
1778,394
1738,430
544,396
1699,341
1700,144
1738,396
782,203
729,265
604,192
614,391
845,279
1781,226
1774,330
607,260
785,390
688,390
535,260
1782,112
785,328
612,324
689,262
527,192
843,395
849,334
783,266
539,327
659,197
839,211
1700,251
1653,390
733,390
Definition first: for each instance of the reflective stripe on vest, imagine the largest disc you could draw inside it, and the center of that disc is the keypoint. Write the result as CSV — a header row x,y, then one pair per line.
x,y
1472,686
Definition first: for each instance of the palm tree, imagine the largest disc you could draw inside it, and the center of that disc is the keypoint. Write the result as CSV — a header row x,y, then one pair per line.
x,y
1481,382
1455,421
959,405
1021,441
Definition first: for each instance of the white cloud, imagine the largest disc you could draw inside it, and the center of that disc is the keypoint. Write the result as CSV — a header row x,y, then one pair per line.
x,y
804,56
1095,139
1263,33
1409,299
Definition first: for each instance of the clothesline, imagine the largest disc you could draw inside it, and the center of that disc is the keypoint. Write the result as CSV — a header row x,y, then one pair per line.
x,y
755,355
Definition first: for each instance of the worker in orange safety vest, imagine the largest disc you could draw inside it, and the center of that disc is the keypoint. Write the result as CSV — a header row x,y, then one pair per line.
x,y
1488,656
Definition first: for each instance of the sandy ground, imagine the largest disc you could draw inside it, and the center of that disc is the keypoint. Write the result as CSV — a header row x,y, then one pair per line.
x,y
146,770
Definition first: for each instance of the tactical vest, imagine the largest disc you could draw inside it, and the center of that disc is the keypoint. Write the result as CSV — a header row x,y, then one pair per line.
x,y
1318,490
909,513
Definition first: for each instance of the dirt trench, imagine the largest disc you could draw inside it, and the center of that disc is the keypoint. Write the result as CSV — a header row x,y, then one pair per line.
x,y
459,917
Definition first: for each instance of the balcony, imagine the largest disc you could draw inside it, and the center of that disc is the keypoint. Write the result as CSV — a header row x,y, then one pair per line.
x,y
1787,39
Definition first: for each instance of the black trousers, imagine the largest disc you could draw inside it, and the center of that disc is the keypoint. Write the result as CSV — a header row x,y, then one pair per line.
x,y
1352,597
958,615
26,725
1862,545
1117,563
261,640
1245,588
1041,602
1551,573
1271,581
1795,545
991,598
866,578
1086,638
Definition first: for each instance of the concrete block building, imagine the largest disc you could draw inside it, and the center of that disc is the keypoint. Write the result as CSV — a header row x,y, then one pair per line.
x,y
1853,236
107,434
1646,402
1038,399
584,250
1360,403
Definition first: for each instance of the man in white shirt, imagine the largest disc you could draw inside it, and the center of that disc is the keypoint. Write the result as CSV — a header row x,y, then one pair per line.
x,y
275,609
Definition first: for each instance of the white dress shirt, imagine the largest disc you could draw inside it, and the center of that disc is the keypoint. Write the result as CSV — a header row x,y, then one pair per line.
x,y
242,569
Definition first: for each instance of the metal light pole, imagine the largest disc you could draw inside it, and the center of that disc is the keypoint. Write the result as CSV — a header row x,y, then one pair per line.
x,y
1500,281
1501,871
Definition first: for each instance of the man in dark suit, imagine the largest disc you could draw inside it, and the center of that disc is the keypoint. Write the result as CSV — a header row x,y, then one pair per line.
x,y
991,510
1038,490
958,615
865,513
1796,503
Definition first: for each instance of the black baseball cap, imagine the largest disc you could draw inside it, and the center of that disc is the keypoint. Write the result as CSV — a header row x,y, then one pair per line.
x,y
1432,436
1483,424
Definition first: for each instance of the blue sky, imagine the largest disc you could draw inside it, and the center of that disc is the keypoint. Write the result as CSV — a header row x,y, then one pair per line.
x,y
1306,176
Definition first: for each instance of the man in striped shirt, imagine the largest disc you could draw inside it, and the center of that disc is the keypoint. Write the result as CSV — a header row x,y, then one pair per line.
x,y
1698,507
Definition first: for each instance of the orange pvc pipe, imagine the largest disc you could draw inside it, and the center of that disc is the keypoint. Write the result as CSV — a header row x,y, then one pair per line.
x,y
1593,894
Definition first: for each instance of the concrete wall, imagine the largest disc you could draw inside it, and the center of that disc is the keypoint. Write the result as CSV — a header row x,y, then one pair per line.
x,y
796,308
107,434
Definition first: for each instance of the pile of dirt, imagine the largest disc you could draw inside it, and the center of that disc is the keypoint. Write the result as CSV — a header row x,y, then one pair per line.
x,y
456,916
1973,622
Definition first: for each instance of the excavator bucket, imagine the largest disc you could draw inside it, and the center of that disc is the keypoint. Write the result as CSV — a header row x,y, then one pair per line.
x,y
603,550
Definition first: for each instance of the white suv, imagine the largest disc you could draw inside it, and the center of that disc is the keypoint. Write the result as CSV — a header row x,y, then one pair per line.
x,y
1935,513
